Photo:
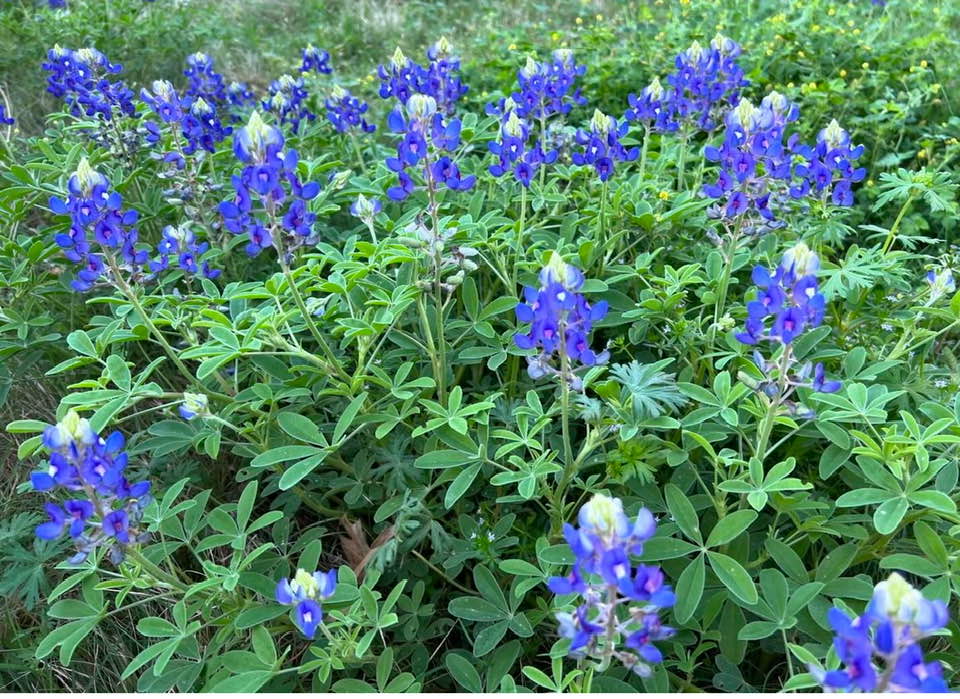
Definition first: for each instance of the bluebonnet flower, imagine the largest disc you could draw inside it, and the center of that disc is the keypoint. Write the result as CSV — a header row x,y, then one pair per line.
x,y
5,120
203,81
548,89
268,172
400,78
755,164
305,592
427,137
191,117
366,210
180,244
346,112
286,98
828,170
194,405
240,99
514,153
109,511
81,78
97,217
707,82
315,59
941,283
879,650
607,582
441,78
601,145
653,108
560,322
787,304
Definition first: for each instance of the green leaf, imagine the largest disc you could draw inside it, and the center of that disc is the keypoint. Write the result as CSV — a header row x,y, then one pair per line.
x,y
489,638
935,500
734,577
788,560
756,630
912,564
244,683
889,514
730,527
80,342
689,589
683,513
475,609
833,565
460,484
443,458
280,454
348,416
463,672
119,372
664,547
540,677
300,470
301,428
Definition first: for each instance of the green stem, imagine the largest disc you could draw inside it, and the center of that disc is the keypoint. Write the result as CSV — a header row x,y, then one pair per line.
x,y
356,149
892,234
723,288
766,426
643,153
159,336
156,571
334,365
520,232
681,160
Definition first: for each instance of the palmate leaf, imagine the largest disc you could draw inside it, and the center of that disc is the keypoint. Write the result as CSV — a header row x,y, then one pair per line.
x,y
646,388
862,268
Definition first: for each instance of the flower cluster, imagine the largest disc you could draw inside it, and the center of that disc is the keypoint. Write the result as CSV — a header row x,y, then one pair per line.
x,y
514,153
315,59
789,296
601,145
828,170
180,244
266,168
441,78
194,119
941,283
880,649
653,108
286,98
305,592
560,321
707,81
366,210
548,89
194,405
95,212
108,509
402,77
203,81
346,112
607,582
755,164
81,78
427,138
239,98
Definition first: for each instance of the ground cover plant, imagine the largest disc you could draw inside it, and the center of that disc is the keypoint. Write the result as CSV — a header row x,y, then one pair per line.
x,y
571,346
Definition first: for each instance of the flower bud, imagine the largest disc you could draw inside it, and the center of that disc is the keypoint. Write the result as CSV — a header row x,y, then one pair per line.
x,y
801,260
421,107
